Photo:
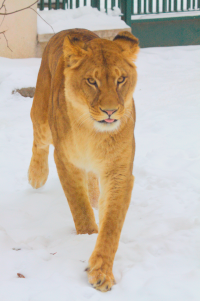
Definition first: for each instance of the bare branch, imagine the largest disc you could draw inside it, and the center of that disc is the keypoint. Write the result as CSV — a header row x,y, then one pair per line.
x,y
3,33
5,14
2,4
16,11
30,6
42,18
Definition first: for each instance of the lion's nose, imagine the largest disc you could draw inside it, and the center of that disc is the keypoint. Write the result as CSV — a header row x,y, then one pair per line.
x,y
109,112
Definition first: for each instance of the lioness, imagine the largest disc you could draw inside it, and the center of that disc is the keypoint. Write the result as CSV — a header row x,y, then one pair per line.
x,y
83,105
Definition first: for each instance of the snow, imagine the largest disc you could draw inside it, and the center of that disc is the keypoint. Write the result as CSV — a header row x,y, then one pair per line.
x,y
82,17
159,249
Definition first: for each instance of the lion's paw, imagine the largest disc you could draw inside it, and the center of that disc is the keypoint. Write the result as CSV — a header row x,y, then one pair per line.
x,y
100,275
38,174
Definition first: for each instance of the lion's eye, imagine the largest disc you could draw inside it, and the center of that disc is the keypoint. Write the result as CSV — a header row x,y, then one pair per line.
x,y
121,80
91,81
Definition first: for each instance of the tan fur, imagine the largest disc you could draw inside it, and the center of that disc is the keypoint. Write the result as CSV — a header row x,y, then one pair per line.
x,y
66,112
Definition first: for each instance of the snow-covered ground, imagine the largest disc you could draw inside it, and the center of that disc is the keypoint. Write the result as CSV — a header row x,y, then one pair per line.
x,y
82,17
159,251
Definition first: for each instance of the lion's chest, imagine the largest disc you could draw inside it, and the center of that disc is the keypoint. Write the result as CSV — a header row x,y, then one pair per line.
x,y
82,159
81,152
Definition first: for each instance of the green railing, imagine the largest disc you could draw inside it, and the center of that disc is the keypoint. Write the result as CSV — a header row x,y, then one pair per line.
x,y
63,4
129,8
140,7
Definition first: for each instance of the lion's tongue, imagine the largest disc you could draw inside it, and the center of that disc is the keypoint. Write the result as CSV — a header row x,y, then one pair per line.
x,y
109,120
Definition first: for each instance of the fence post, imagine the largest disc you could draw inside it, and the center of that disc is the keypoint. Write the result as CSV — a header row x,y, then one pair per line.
x,y
77,3
41,4
126,9
94,3
112,3
57,4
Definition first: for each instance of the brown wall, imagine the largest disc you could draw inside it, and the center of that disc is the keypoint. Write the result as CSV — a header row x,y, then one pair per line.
x,y
21,30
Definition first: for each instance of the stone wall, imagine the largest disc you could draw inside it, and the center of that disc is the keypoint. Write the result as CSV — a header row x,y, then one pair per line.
x,y
21,30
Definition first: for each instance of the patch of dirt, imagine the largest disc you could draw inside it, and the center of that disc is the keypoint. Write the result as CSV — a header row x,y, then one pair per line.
x,y
25,92
20,275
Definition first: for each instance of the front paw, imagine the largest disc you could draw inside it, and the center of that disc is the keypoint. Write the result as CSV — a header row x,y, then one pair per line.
x,y
38,171
87,229
100,274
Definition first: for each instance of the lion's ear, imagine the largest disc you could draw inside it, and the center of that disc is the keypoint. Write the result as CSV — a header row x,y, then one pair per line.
x,y
128,43
74,50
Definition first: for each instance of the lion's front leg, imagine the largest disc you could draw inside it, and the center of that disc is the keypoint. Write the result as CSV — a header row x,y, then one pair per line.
x,y
74,183
93,189
113,206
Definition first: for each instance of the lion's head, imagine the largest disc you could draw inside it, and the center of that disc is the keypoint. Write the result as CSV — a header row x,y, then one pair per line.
x,y
100,79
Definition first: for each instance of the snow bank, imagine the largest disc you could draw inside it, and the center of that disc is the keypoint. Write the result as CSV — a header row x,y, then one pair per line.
x,y
159,249
82,17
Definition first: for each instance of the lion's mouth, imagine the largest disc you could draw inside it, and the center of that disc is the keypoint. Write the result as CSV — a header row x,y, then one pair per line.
x,y
108,120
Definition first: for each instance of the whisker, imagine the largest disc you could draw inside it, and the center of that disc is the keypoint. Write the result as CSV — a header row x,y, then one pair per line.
x,y
126,118
79,119
87,118
83,115
130,115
